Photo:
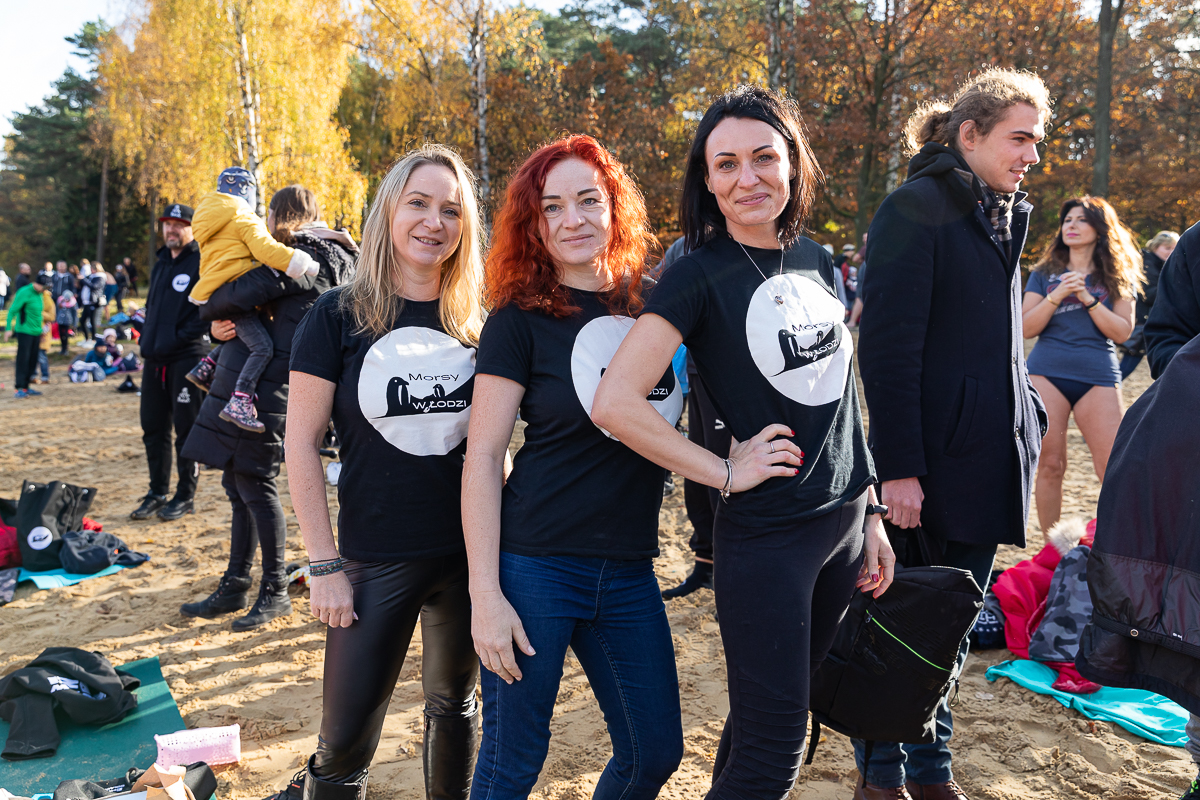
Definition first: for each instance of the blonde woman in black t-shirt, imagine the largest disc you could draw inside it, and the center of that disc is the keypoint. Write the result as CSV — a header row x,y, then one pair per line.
x,y
755,303
391,359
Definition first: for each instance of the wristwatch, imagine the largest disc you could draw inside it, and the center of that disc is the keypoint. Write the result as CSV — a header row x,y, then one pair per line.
x,y
872,508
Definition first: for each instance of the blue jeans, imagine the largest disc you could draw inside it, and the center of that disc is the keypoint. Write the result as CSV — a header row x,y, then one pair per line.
x,y
894,764
611,615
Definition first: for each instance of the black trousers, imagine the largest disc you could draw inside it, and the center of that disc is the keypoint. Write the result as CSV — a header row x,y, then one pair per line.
x,y
27,358
90,321
781,592
169,401
362,662
700,501
258,523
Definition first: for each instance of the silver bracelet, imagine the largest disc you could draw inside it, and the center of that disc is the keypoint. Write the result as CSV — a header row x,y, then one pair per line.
x,y
728,487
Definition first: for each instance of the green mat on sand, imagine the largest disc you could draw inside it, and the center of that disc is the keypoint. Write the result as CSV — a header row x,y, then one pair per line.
x,y
106,752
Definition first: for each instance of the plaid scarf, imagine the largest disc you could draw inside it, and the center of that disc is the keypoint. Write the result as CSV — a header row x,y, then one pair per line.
x,y
996,207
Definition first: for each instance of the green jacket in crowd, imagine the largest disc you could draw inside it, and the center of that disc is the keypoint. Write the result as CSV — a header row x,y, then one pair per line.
x,y
25,313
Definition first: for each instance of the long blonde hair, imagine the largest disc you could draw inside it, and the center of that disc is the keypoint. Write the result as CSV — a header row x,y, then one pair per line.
x,y
373,297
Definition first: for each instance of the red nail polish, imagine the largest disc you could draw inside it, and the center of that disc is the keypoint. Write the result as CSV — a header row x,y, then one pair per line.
x,y
874,577
795,472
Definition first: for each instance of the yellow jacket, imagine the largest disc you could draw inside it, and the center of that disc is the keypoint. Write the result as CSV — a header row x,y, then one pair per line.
x,y
231,238
48,315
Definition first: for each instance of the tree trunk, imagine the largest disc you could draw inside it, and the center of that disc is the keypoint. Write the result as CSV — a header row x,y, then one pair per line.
x,y
1110,21
774,45
102,222
481,103
152,244
250,102
790,70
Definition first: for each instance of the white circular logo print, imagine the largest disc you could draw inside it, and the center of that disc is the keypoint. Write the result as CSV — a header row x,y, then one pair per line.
x,y
595,345
40,538
415,389
800,345
180,282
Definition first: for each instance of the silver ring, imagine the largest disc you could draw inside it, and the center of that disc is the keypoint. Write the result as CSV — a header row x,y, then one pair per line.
x,y
772,446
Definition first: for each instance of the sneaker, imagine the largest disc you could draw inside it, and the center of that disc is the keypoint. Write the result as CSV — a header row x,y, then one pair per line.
x,y
21,394
272,602
1193,791
294,790
202,374
241,412
150,504
177,508
232,594
33,392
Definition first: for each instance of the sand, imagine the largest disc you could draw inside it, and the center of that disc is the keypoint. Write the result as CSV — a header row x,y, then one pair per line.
x,y
1009,743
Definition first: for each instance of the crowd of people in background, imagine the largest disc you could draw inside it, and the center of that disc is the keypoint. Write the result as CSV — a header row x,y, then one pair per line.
x,y
76,300
414,340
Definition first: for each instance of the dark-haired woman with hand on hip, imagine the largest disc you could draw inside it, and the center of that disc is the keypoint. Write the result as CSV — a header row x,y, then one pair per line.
x,y
561,554
755,303
391,357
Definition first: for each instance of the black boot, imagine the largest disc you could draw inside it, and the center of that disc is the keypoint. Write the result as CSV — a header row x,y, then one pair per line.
x,y
150,504
295,789
451,745
701,578
272,602
317,788
231,595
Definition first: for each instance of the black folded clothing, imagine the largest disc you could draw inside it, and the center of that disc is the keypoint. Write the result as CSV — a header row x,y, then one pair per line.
x,y
83,685
88,552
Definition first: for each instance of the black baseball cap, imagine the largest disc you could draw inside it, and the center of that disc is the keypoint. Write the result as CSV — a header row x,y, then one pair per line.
x,y
42,279
177,211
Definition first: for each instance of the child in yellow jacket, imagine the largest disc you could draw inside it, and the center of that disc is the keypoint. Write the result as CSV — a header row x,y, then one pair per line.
x,y
233,240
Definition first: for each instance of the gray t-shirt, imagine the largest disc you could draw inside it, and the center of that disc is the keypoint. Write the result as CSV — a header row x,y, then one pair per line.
x,y
1071,346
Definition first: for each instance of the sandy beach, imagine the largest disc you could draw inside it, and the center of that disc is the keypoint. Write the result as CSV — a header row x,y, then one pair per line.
x,y
1009,743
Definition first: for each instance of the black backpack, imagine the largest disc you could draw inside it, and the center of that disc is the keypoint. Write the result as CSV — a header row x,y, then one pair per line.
x,y
45,512
895,658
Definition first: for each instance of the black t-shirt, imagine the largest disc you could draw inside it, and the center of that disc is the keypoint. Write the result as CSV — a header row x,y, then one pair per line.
x,y
574,490
774,351
401,410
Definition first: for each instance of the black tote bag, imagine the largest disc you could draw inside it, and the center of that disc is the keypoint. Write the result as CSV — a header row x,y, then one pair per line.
x,y
45,512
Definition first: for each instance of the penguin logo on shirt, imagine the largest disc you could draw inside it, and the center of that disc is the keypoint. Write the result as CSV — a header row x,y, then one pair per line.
x,y
595,345
415,389
801,345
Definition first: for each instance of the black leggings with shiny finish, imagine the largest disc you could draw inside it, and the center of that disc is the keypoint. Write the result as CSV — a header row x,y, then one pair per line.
x,y
362,662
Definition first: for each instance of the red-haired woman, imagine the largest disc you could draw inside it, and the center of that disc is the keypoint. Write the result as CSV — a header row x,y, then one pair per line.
x,y
561,553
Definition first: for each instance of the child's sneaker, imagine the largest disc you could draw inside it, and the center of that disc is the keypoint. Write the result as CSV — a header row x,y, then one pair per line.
x,y
1193,791
32,393
21,394
202,374
240,411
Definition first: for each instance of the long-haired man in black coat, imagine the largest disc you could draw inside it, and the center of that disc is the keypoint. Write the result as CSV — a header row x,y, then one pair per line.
x,y
955,425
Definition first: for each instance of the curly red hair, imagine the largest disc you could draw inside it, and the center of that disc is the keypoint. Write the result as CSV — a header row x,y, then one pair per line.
x,y
519,268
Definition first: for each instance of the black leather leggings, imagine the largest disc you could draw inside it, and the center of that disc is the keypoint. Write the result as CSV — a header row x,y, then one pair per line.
x,y
362,662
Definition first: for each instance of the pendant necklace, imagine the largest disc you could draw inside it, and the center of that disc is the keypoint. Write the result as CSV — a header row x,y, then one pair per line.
x,y
778,299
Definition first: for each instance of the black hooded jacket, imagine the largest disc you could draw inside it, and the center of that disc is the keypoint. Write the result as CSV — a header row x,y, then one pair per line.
x,y
283,303
942,355
83,685
173,329
1174,320
1144,569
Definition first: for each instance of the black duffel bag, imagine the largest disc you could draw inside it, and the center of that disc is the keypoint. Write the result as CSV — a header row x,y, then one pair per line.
x,y
45,511
895,658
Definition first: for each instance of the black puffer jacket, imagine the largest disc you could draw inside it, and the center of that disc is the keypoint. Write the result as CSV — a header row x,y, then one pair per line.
x,y
1144,570
283,302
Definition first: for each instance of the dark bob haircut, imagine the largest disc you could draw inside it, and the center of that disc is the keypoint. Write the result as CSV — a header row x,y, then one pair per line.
x,y
699,214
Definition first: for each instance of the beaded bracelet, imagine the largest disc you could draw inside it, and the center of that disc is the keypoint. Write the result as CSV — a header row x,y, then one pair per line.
x,y
318,569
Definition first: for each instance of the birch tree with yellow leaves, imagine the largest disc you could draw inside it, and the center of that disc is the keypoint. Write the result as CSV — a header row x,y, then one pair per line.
x,y
210,83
